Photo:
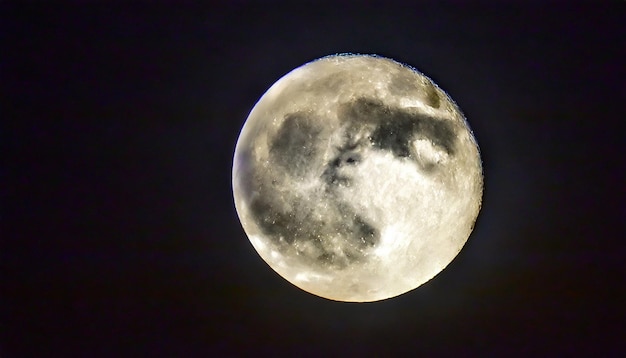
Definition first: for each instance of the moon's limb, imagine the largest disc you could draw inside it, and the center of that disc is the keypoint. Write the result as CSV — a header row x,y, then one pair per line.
x,y
357,178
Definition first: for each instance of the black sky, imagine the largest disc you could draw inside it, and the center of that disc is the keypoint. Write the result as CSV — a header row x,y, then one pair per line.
x,y
119,234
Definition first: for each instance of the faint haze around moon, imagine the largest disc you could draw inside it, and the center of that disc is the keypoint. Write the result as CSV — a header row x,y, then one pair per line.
x,y
356,178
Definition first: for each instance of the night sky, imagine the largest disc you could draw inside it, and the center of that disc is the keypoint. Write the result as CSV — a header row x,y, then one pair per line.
x,y
119,234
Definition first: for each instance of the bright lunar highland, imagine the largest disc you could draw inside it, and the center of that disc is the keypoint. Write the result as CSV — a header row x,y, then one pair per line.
x,y
356,178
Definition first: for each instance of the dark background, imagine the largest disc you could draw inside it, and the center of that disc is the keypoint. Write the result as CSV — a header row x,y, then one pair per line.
x,y
119,233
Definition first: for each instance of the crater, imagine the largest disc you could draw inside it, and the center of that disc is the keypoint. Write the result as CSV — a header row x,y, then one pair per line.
x,y
432,95
395,128
294,146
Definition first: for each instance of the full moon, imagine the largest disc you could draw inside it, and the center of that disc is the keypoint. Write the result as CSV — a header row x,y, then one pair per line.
x,y
356,178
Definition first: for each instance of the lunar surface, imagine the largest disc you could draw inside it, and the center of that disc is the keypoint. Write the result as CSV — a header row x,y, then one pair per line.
x,y
356,178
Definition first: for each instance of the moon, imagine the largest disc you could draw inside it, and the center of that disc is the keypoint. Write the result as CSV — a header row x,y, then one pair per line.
x,y
356,178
